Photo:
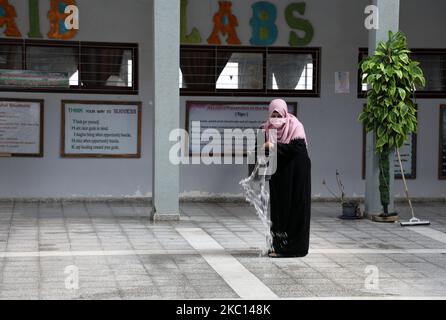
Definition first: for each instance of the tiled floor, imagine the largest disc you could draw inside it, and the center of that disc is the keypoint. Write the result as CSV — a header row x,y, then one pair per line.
x,y
120,254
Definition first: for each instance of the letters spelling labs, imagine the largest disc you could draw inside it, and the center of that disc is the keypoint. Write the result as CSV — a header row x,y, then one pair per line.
x,y
263,24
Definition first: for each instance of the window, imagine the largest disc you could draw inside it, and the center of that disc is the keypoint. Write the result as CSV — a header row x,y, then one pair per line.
x,y
290,72
433,63
246,71
362,85
241,70
10,57
198,69
106,67
58,61
63,66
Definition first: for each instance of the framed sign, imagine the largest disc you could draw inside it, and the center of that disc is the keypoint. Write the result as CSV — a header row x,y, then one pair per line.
x,y
408,153
442,148
225,115
21,128
101,129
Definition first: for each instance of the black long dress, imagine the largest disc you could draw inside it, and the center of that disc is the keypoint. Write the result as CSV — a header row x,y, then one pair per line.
x,y
290,198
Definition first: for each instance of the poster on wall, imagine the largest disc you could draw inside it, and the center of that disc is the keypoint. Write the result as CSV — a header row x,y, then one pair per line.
x,y
408,158
222,116
21,128
102,129
408,153
442,152
342,82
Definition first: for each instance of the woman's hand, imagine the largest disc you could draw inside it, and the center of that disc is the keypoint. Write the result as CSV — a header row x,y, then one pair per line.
x,y
268,146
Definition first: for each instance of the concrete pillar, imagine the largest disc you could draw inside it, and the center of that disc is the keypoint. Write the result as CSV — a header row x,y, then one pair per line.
x,y
166,55
389,12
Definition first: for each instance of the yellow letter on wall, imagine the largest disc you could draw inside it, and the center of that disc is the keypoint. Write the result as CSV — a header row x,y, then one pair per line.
x,y
7,17
58,17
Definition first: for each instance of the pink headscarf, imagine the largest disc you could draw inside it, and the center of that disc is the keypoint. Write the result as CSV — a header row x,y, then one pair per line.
x,y
288,127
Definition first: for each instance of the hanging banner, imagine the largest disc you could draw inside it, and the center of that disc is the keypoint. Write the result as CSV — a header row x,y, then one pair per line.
x,y
21,128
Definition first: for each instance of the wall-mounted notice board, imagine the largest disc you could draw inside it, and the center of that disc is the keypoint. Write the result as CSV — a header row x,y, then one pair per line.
x,y
225,115
21,128
442,148
101,129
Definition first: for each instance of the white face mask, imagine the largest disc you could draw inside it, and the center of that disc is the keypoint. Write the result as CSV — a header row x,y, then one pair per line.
x,y
277,122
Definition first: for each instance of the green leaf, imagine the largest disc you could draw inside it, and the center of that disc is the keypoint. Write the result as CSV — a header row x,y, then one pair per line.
x,y
363,116
402,93
391,142
422,82
365,65
404,110
380,143
393,118
382,67
392,91
399,141
380,132
404,57
379,54
397,128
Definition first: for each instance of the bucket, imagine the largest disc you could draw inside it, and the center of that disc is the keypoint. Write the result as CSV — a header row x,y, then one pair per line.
x,y
350,209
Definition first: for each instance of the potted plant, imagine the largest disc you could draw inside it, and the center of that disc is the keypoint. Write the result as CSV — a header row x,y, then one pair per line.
x,y
350,209
390,113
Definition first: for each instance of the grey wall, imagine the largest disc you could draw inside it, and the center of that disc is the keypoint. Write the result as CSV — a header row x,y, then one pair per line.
x,y
331,121
335,135
52,176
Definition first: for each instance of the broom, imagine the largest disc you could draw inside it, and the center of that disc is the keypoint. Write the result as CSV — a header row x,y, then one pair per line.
x,y
414,221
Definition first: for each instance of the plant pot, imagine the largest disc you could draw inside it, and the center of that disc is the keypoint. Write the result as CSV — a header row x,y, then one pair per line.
x,y
386,218
350,210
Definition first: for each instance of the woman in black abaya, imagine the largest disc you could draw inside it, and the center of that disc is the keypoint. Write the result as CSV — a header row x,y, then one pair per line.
x,y
290,185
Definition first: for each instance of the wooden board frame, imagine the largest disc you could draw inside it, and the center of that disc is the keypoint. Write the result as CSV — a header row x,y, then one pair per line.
x,y
41,130
101,156
293,104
